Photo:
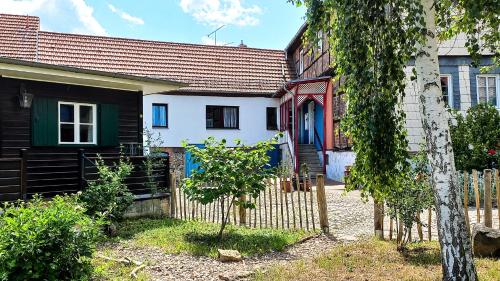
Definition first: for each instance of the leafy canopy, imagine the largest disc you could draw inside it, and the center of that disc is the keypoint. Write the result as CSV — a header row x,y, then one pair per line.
x,y
228,173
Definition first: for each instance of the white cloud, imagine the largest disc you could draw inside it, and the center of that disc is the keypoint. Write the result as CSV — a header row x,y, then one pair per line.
x,y
55,14
219,12
86,17
125,16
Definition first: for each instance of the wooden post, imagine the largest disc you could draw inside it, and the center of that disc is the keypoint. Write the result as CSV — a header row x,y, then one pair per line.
x,y
466,200
400,232
429,225
298,200
292,200
282,186
287,182
322,207
276,201
242,211
305,201
270,203
419,228
312,204
24,172
265,205
173,196
497,184
488,212
391,226
260,210
81,169
378,219
476,193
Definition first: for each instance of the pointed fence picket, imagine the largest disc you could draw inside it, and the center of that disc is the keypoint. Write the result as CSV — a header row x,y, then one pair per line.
x,y
479,190
280,205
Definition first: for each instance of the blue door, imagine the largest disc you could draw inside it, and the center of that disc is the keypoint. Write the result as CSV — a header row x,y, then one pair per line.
x,y
190,165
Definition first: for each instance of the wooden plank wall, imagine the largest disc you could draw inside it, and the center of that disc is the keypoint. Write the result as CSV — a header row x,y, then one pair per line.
x,y
53,170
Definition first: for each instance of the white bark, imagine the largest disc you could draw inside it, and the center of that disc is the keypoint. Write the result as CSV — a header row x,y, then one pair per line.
x,y
456,253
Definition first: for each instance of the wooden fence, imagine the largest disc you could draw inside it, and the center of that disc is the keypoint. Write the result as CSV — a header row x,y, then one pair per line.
x,y
136,181
481,190
286,203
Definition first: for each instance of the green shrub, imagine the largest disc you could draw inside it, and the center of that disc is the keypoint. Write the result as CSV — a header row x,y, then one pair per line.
x,y
46,240
413,195
108,196
476,138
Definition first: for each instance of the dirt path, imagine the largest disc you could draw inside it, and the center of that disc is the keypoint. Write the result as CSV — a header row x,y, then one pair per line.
x,y
163,266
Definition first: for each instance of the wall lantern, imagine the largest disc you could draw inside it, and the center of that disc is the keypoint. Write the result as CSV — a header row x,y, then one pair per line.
x,y
25,98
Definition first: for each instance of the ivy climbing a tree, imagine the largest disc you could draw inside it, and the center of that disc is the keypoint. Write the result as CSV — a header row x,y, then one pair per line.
x,y
371,43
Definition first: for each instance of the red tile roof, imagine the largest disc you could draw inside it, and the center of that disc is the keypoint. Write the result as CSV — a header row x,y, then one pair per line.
x,y
214,69
18,36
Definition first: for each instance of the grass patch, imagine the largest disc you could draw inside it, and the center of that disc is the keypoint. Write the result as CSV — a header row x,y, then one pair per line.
x,y
200,238
105,270
375,260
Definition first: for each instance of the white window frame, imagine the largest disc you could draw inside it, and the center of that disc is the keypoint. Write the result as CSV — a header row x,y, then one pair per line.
x,y
76,122
450,89
497,87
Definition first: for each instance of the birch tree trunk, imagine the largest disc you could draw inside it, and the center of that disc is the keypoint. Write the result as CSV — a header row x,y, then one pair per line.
x,y
456,252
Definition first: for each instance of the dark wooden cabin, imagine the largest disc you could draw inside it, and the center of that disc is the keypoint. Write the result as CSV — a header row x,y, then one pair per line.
x,y
48,145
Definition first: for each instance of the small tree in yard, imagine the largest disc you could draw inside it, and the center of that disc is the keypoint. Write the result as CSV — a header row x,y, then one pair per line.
x,y
228,173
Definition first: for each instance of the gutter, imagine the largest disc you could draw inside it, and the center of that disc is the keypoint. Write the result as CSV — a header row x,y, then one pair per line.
x,y
91,72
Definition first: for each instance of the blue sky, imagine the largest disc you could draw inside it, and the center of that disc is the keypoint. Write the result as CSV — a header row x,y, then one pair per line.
x,y
259,23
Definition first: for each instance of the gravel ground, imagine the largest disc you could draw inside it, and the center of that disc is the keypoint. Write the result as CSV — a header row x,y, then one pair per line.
x,y
349,218
163,266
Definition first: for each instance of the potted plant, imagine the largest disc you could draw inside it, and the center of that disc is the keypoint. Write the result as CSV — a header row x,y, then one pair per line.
x,y
283,173
306,183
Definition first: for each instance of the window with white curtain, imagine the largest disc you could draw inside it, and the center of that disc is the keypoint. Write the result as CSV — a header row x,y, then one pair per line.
x,y
488,89
222,117
447,90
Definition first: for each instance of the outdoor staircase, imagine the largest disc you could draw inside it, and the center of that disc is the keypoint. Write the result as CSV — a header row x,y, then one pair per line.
x,y
309,155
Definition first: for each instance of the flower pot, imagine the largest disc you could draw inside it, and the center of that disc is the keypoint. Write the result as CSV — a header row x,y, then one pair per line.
x,y
287,186
307,184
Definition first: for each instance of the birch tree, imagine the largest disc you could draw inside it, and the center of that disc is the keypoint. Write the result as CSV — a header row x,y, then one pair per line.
x,y
371,42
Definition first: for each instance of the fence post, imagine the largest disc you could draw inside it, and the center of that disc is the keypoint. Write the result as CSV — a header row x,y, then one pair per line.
x,y
321,196
466,201
24,172
81,168
488,215
497,184
173,196
378,219
243,211
476,193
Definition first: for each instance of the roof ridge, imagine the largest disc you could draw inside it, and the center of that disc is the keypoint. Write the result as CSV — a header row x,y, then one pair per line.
x,y
161,42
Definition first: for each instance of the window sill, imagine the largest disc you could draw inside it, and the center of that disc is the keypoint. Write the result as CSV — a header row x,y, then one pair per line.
x,y
223,129
160,127
76,145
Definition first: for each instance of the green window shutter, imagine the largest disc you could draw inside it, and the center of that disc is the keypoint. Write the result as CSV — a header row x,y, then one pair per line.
x,y
44,122
108,125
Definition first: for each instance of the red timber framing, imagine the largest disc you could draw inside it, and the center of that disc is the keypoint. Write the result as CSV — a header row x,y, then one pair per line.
x,y
292,97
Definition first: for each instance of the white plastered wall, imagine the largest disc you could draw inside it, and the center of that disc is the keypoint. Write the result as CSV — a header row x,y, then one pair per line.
x,y
187,118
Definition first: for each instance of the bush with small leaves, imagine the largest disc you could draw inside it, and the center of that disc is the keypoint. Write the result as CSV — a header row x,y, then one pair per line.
x,y
46,240
109,196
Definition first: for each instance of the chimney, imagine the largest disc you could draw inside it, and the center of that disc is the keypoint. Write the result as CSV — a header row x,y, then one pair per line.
x,y
242,45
